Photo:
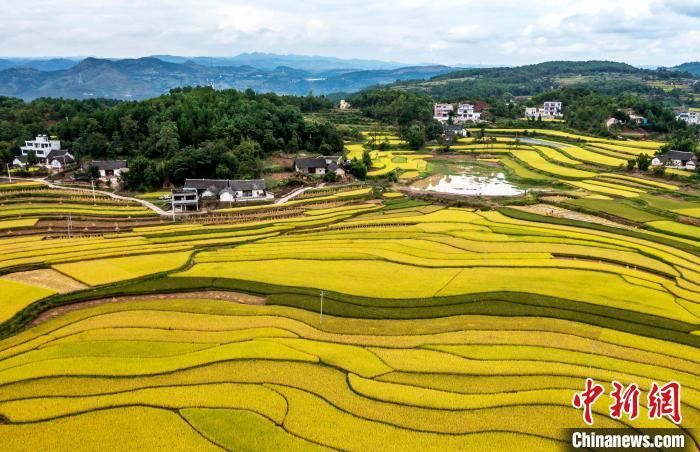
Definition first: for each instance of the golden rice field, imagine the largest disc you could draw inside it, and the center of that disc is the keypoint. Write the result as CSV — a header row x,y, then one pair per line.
x,y
197,374
442,328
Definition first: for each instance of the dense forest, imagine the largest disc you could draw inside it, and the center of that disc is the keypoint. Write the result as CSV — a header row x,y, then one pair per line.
x,y
411,112
191,132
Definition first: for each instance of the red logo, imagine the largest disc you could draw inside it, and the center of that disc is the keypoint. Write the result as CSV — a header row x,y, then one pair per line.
x,y
663,401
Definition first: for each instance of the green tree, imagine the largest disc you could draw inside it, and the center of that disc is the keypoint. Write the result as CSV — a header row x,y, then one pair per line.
x,y
415,136
32,159
358,169
367,158
168,139
643,162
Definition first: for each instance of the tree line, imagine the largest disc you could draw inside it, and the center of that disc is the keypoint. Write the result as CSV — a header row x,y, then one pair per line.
x,y
190,132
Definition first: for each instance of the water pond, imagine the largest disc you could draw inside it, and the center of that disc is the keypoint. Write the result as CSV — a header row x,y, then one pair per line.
x,y
469,180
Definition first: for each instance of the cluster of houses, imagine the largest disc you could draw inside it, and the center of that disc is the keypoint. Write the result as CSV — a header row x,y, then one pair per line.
x,y
48,153
676,159
548,110
689,117
195,192
344,105
463,113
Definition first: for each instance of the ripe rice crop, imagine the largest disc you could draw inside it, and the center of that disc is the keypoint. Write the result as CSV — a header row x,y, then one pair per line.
x,y
16,296
106,271
536,161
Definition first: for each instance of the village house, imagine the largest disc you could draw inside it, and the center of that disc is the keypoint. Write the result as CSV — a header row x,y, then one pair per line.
x,y
319,166
676,159
184,199
47,151
441,112
110,169
464,113
344,105
549,110
634,118
54,160
41,146
224,190
59,160
455,130
689,117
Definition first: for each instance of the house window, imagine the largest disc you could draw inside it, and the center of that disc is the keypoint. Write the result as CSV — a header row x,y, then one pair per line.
x,y
247,193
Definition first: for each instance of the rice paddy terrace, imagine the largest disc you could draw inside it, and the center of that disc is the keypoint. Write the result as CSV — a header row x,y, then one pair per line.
x,y
442,327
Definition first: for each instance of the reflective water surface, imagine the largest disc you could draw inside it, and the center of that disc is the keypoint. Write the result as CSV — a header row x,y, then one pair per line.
x,y
470,180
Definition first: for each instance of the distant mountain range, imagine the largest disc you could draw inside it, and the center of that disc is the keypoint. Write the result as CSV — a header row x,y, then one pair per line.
x,y
141,78
52,64
270,61
132,79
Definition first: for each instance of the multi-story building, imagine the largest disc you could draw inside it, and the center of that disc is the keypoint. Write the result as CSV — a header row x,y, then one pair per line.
x,y
441,112
466,113
549,110
552,109
690,117
41,146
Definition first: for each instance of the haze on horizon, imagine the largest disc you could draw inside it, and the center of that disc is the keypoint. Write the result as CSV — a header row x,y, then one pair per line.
x,y
500,32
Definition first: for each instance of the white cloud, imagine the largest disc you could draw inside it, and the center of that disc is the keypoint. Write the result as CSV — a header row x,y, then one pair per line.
x,y
411,31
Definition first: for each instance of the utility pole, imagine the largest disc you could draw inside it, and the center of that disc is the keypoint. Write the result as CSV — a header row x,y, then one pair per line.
x,y
9,176
94,201
172,204
321,313
70,226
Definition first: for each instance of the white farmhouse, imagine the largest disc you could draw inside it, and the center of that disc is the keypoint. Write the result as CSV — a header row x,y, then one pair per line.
x,y
225,190
319,166
466,113
548,110
41,146
344,105
676,159
690,117
59,160
111,169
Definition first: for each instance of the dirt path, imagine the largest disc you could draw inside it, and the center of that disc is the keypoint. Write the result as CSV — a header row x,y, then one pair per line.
x,y
295,193
560,212
235,297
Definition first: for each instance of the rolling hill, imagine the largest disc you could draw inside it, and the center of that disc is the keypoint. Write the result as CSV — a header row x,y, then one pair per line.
x,y
149,77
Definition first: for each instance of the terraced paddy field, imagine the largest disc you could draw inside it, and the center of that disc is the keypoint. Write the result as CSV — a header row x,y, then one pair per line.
x,y
30,199
356,317
442,328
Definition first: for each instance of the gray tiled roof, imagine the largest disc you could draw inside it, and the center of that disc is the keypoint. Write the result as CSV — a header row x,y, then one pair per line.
x,y
218,185
62,156
205,184
677,155
240,185
110,164
310,162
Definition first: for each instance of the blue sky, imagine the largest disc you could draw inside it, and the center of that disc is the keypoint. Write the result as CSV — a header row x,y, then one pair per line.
x,y
664,32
